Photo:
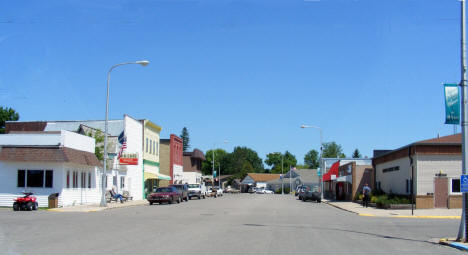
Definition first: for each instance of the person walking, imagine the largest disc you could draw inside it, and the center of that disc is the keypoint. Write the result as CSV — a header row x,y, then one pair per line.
x,y
366,192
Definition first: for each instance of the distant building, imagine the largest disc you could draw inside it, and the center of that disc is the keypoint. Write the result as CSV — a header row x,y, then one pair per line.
x,y
294,178
434,165
193,166
258,180
49,162
171,159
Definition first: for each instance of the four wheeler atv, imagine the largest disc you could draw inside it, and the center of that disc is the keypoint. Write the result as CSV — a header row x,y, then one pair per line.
x,y
26,203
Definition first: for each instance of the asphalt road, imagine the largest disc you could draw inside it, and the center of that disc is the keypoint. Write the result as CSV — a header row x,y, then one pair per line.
x,y
233,224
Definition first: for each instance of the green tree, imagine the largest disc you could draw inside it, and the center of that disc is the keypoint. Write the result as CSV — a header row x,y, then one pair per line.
x,y
274,160
356,154
332,150
185,139
7,114
241,161
311,159
99,143
219,156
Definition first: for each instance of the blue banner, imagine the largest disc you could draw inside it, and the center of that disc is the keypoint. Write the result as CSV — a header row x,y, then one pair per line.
x,y
452,104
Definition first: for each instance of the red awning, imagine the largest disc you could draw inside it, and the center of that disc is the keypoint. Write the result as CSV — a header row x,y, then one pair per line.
x,y
333,171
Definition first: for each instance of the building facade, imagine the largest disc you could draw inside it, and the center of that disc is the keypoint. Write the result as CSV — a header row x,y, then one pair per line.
x,y
192,166
429,170
172,159
49,162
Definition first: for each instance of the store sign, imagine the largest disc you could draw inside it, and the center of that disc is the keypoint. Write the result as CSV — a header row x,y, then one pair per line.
x,y
452,104
128,159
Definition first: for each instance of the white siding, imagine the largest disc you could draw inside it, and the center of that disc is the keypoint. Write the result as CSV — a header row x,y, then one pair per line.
x,y
77,141
178,173
191,177
10,191
134,132
429,165
394,181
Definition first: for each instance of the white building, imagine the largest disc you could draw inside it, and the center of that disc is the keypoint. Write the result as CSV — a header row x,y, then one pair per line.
x,y
128,177
49,162
434,165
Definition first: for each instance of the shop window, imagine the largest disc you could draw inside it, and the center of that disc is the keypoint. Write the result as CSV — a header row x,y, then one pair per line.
x,y
122,182
21,178
89,180
49,178
68,179
75,179
455,185
35,178
83,180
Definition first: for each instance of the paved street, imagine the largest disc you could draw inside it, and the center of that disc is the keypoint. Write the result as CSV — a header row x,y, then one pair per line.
x,y
233,224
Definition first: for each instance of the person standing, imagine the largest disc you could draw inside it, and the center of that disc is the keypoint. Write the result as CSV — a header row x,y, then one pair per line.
x,y
366,192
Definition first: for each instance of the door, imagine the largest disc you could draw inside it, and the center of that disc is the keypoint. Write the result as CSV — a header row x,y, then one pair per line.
x,y
440,192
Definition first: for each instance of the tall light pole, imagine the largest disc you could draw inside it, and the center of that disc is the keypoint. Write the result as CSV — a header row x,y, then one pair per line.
x,y
321,153
213,162
104,172
282,175
462,232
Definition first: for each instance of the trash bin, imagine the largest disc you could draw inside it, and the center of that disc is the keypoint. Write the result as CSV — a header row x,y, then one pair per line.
x,y
53,200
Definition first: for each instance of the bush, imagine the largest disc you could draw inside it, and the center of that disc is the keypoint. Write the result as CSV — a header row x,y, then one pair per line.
x,y
383,201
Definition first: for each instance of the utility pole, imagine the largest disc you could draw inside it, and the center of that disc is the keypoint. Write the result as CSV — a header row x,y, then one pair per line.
x,y
464,122
282,176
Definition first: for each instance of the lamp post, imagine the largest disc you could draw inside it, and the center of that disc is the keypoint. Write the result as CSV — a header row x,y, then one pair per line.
x,y
321,152
213,162
104,172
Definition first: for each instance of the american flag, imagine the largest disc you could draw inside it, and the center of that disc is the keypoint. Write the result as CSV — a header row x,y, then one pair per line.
x,y
123,141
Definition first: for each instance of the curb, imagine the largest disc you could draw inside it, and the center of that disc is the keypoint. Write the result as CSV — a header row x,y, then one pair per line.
x,y
92,210
397,216
460,246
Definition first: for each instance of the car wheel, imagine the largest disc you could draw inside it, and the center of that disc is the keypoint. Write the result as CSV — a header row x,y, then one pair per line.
x,y
159,202
171,201
35,206
186,199
16,206
204,196
179,200
151,203
29,206
319,201
303,199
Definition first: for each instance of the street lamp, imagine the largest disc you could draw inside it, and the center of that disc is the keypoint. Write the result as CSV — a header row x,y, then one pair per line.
x,y
321,152
213,162
104,173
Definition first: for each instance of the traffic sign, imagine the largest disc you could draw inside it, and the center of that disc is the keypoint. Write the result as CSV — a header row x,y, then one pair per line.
x,y
464,183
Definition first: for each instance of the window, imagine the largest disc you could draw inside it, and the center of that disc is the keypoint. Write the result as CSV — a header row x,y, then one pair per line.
x,y
68,179
49,178
154,148
122,182
151,147
75,179
114,181
35,178
391,169
89,180
83,180
455,185
21,178
146,144
157,148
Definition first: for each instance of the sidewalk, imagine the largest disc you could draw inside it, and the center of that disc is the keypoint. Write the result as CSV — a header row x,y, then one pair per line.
x,y
96,207
404,213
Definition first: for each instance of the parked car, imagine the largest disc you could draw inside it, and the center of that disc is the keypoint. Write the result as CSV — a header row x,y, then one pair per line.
x,y
312,193
183,190
197,190
219,191
252,190
164,195
268,191
298,188
301,191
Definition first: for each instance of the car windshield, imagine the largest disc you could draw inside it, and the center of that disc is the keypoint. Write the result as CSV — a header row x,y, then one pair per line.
x,y
194,186
163,190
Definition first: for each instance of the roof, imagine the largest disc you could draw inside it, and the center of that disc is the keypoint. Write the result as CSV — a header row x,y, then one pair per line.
x,y
449,140
196,153
306,175
257,177
48,154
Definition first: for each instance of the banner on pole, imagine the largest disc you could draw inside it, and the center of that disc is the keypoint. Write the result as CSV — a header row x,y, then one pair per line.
x,y
452,104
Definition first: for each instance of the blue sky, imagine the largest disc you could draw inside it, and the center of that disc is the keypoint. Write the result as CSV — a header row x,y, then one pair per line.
x,y
369,73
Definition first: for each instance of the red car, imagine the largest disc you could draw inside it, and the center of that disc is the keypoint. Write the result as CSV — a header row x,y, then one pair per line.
x,y
164,194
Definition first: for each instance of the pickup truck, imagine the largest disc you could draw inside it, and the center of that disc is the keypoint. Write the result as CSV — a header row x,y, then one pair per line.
x,y
197,190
